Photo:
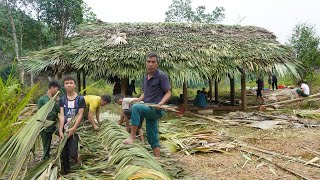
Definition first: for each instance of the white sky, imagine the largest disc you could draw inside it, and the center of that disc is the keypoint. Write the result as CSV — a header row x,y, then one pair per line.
x,y
278,16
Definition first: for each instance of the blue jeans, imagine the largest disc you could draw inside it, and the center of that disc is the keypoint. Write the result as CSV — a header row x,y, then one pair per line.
x,y
152,116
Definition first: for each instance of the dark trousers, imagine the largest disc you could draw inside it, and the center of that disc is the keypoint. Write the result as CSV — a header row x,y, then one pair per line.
x,y
274,85
70,150
46,137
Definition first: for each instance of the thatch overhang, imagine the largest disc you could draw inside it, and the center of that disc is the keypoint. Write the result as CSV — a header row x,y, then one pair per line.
x,y
189,52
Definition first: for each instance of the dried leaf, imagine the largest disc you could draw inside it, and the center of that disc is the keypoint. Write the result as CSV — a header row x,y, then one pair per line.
x,y
246,157
260,165
312,160
273,171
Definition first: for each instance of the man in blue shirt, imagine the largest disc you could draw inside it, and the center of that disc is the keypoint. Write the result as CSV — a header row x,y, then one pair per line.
x,y
156,90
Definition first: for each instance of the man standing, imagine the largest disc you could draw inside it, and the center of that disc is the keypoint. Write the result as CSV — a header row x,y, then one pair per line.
x,y
94,103
131,88
260,85
304,91
46,134
71,105
274,82
156,90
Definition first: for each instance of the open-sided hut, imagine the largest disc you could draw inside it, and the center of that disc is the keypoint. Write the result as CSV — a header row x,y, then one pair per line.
x,y
189,52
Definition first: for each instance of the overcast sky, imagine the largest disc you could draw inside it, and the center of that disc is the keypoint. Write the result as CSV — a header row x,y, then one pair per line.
x,y
278,16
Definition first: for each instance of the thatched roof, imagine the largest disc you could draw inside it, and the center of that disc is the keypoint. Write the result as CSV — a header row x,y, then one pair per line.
x,y
187,51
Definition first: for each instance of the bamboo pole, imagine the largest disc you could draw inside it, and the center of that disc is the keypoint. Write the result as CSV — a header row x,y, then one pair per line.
x,y
278,165
288,101
207,118
277,154
315,152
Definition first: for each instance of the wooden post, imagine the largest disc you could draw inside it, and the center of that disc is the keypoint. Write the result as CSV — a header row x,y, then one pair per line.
x,y
243,91
216,90
210,88
124,86
84,82
232,91
185,95
79,80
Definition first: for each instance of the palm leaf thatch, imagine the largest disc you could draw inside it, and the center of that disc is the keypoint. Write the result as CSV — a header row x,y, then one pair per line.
x,y
188,51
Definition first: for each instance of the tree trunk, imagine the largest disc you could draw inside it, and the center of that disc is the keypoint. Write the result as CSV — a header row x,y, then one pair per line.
x,y
232,91
16,44
216,90
243,91
185,95
84,82
124,86
63,24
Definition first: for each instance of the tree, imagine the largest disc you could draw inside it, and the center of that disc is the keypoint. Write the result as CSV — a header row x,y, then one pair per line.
x,y
181,11
19,32
10,6
305,43
62,16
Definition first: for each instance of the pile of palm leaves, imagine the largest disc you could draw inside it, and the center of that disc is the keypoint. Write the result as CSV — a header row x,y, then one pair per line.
x,y
308,114
195,136
106,156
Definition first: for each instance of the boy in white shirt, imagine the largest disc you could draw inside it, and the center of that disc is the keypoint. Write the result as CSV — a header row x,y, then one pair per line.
x,y
126,114
304,91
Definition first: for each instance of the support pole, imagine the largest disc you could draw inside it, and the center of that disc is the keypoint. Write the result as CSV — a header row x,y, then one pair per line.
x,y
185,95
79,80
232,91
124,86
243,91
216,90
210,88
84,82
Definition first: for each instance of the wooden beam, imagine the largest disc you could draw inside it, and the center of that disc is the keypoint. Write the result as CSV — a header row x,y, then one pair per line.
x,y
185,95
232,91
84,82
206,118
124,86
79,81
243,91
216,90
215,108
314,96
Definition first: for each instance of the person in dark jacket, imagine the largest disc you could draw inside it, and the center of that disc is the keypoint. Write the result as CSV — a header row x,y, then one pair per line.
x,y
274,82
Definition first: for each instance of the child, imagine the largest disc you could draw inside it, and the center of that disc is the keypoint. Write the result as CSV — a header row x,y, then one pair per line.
x,y
126,113
46,134
70,105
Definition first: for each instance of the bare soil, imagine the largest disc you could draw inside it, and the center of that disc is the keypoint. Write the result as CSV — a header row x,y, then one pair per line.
x,y
235,165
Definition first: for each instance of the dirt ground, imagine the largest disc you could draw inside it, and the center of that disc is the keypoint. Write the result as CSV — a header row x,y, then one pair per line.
x,y
239,164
